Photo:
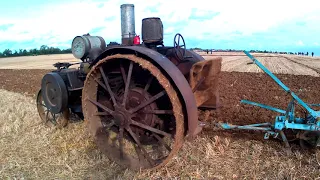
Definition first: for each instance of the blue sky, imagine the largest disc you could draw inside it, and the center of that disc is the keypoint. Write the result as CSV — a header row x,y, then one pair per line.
x,y
265,25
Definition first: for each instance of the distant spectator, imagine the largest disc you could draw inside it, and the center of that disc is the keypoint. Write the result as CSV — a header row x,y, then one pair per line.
x,y
312,54
307,53
207,51
211,51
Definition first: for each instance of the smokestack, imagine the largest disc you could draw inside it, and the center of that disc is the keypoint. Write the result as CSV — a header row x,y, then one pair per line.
x,y
127,24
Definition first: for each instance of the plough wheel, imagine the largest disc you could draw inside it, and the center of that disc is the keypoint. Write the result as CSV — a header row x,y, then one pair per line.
x,y
309,139
133,111
50,119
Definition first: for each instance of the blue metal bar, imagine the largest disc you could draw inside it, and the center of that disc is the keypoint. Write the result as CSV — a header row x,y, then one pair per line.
x,y
280,83
247,127
290,110
318,105
307,127
303,104
268,72
263,106
256,125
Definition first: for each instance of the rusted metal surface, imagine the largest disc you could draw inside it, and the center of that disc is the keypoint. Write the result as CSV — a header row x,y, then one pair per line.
x,y
207,72
135,112
54,92
127,24
152,30
172,72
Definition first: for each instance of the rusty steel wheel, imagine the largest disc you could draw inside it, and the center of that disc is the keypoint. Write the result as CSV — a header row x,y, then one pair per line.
x,y
133,111
50,119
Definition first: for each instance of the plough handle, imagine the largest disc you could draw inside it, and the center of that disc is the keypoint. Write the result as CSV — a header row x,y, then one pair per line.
x,y
280,83
277,80
263,106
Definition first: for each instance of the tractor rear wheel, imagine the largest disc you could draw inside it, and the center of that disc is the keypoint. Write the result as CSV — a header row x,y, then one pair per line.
x,y
133,111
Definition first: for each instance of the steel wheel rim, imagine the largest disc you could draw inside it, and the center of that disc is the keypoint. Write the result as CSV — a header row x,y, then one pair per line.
x,y
124,128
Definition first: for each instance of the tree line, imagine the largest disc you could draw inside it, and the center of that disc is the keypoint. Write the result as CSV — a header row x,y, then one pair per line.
x,y
252,51
44,49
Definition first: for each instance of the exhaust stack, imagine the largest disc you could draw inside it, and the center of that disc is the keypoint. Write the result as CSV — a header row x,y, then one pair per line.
x,y
127,24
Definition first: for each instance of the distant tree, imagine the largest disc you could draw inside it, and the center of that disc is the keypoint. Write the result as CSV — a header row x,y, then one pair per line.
x,y
7,53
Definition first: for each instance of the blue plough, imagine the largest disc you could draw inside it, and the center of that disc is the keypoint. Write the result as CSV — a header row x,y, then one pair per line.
x,y
308,127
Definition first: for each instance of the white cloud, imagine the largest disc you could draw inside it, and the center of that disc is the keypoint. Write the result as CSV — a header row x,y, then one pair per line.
x,y
58,23
300,43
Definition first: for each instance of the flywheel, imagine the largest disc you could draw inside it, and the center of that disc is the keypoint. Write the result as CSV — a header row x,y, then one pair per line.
x,y
49,118
138,122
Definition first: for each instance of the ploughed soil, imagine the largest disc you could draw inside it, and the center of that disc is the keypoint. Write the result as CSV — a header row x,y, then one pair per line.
x,y
233,87
25,81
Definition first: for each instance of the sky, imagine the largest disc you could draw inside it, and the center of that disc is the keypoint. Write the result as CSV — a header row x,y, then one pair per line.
x,y
247,24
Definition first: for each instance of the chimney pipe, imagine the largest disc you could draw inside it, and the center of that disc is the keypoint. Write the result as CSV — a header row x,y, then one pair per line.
x,y
127,24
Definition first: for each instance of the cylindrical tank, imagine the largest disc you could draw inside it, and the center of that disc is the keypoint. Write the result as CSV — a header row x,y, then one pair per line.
x,y
81,45
152,30
127,24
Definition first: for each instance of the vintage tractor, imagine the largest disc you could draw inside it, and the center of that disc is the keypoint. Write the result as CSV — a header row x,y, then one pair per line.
x,y
140,100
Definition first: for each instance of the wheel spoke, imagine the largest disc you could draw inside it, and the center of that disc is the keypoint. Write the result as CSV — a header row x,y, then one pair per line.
x,y
138,151
101,84
104,87
126,90
123,73
108,86
41,104
150,128
101,106
139,145
161,141
47,116
156,111
145,103
148,84
120,139
102,114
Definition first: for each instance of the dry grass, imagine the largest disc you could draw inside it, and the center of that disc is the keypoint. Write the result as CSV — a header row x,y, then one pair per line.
x,y
31,151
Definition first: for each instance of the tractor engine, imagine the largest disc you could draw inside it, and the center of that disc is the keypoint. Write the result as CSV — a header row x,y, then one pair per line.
x,y
142,93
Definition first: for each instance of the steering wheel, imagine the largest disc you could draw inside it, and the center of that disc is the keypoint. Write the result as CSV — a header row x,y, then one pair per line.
x,y
180,54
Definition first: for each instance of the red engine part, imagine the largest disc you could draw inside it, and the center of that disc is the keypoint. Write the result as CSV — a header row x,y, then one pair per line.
x,y
136,40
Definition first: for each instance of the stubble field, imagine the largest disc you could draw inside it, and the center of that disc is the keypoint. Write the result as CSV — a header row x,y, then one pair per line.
x,y
31,151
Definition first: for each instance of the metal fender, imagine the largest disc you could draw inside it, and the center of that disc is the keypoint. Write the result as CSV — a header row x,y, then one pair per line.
x,y
184,90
